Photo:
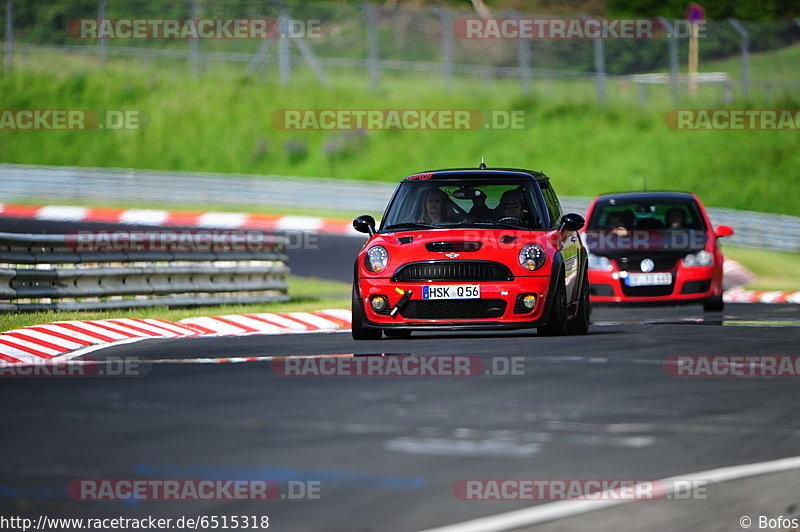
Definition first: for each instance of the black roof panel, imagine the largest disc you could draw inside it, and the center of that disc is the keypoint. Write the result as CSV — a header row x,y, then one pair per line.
x,y
646,196
476,173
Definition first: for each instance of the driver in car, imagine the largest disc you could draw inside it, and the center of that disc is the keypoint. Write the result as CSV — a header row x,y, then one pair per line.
x,y
676,218
510,206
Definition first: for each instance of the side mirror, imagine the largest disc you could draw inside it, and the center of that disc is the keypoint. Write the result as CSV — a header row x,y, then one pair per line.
x,y
571,222
365,224
724,230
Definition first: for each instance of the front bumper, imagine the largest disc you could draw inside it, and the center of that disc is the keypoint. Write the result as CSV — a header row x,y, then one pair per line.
x,y
689,285
496,292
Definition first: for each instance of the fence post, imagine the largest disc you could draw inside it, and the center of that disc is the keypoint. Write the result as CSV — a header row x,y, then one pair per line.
x,y
101,43
194,44
524,61
284,59
447,46
642,95
599,67
673,59
372,46
745,55
9,36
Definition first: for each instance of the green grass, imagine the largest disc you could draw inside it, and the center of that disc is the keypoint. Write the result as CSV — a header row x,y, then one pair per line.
x,y
775,270
306,293
221,122
773,65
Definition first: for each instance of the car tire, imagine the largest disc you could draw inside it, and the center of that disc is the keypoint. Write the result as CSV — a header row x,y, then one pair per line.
x,y
579,324
715,305
397,333
557,318
357,328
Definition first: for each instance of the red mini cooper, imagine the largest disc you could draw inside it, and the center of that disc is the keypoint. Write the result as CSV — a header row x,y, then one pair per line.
x,y
471,249
655,248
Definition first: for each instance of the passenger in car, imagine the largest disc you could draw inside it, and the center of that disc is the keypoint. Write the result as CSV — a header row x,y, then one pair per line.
x,y
436,208
676,218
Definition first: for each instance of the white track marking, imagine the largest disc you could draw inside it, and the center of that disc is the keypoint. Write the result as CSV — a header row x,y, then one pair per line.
x,y
144,216
562,509
225,220
300,223
59,213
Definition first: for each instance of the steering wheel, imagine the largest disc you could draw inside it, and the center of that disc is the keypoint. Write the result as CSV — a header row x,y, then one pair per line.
x,y
510,219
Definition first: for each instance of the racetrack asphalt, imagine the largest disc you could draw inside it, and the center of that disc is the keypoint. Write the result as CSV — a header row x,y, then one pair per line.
x,y
387,451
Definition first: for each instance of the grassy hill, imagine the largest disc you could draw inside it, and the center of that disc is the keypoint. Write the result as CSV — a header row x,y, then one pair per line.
x,y
222,122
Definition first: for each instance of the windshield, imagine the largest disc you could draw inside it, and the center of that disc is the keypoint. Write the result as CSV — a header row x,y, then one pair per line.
x,y
489,203
672,224
672,214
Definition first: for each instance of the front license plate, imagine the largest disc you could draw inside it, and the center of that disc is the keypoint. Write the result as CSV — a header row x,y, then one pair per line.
x,y
451,291
648,279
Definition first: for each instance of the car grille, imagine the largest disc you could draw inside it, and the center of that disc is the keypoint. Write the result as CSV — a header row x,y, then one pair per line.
x,y
454,309
633,263
457,245
647,291
696,287
604,290
452,271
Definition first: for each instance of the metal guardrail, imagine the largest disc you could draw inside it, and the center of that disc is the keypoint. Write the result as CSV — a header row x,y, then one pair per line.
x,y
41,272
28,182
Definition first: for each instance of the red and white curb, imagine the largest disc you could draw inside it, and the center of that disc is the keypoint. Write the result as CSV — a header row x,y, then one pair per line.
x,y
216,220
272,323
734,274
740,295
64,340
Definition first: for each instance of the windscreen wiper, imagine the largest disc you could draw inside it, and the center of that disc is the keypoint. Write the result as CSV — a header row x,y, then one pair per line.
x,y
409,225
496,224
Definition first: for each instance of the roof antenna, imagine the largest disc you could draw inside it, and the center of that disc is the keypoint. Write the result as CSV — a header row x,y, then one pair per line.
x,y
483,164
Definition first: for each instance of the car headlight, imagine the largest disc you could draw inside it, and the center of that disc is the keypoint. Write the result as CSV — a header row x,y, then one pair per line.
x,y
598,262
377,259
532,257
701,258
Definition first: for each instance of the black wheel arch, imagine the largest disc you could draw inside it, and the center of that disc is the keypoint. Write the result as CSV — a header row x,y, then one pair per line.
x,y
557,267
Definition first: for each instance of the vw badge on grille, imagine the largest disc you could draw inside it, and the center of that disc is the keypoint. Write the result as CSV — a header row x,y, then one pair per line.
x,y
647,265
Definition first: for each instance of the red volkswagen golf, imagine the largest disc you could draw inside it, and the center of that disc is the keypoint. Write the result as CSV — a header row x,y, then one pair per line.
x,y
656,248
471,249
